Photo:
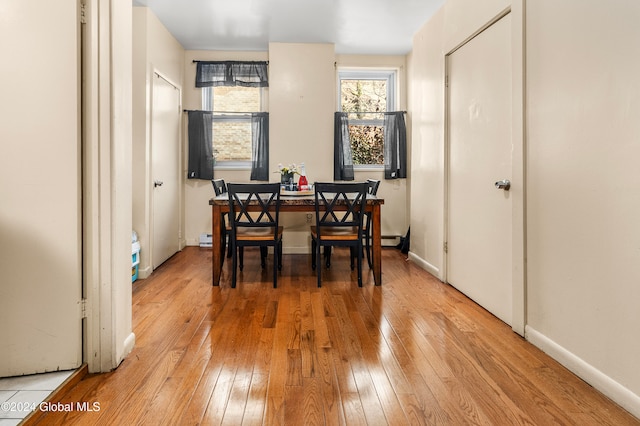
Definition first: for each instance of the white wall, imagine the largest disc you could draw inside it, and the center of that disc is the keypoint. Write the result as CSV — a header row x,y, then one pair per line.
x,y
426,109
40,188
301,106
155,51
583,104
582,124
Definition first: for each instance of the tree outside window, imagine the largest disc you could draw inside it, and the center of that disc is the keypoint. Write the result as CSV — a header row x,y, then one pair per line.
x,y
366,96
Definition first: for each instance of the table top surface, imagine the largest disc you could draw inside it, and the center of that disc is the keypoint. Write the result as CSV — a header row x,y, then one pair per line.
x,y
292,200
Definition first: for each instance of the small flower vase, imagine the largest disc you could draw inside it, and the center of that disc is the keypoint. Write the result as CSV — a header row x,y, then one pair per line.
x,y
286,179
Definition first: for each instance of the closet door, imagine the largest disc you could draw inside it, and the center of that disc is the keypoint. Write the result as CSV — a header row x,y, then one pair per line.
x,y
479,259
165,154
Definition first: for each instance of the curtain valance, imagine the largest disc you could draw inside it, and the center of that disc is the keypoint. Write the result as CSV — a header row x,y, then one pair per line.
x,y
232,73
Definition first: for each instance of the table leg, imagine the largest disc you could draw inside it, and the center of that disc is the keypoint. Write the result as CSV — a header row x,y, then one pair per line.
x,y
376,237
216,231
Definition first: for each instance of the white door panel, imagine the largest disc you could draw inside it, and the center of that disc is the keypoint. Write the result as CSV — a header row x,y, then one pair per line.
x,y
165,136
480,149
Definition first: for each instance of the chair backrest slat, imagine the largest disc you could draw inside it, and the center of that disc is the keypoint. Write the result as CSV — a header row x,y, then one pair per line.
x,y
372,186
219,186
340,204
254,205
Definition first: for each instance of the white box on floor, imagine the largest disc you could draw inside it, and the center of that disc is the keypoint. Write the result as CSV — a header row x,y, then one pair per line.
x,y
206,240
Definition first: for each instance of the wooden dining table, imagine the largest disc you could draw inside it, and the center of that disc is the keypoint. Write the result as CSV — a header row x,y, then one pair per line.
x,y
294,203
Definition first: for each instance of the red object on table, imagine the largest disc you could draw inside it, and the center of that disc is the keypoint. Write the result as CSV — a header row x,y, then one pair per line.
x,y
303,185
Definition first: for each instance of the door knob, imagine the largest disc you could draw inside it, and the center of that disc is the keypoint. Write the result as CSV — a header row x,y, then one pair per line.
x,y
503,184
157,183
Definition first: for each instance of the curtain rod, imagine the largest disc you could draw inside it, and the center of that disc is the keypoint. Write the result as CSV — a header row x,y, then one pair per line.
x,y
225,112
372,112
195,61
252,112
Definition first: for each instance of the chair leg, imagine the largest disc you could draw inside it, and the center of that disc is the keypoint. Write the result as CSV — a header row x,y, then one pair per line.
x,y
318,270
226,235
234,274
352,256
229,247
359,250
368,249
276,265
263,257
223,246
280,255
241,250
327,256
313,253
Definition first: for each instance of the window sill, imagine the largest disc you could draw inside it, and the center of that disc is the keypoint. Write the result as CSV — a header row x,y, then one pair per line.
x,y
368,168
232,165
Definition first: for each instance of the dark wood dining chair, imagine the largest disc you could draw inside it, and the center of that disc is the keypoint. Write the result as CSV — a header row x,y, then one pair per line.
x,y
339,219
372,189
254,211
219,187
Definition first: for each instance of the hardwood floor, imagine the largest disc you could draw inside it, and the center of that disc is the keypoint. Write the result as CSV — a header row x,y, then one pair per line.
x,y
413,351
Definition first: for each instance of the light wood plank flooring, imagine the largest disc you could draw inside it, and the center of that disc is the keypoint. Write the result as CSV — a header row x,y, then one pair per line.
x,y
413,351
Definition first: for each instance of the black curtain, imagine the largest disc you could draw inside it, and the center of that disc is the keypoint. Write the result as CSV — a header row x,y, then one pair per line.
x,y
232,73
342,158
395,146
260,146
200,145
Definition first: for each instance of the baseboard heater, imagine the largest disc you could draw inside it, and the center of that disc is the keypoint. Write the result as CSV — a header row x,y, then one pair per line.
x,y
206,240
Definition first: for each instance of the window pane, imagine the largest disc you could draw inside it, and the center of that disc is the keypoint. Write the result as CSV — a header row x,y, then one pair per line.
x,y
365,100
367,144
232,132
364,95
236,99
232,140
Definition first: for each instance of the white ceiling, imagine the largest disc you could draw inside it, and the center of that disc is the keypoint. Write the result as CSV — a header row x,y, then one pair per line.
x,y
382,27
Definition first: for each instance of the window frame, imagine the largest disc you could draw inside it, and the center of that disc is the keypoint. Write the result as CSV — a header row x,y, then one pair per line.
x,y
391,77
240,116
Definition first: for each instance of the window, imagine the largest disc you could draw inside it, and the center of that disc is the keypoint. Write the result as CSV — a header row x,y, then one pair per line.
x,y
366,96
232,107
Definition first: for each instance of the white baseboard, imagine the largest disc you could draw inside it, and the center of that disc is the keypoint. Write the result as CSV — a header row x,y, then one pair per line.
x,y
129,343
144,273
596,378
425,265
192,241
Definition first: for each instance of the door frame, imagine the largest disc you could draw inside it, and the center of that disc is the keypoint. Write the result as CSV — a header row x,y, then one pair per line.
x,y
107,328
518,183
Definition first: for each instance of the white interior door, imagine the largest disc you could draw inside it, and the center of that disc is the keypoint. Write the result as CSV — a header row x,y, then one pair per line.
x,y
480,154
165,150
40,187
